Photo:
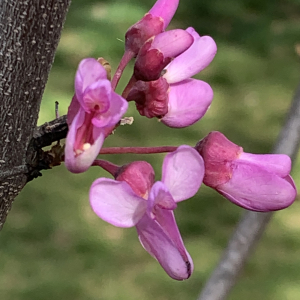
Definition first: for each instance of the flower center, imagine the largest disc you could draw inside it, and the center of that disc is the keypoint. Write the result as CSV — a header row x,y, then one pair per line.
x,y
84,136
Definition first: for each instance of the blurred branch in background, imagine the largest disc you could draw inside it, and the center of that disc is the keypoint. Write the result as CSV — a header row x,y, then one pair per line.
x,y
252,224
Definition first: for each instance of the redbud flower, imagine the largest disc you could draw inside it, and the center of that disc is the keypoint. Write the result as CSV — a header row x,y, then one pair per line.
x,y
175,98
133,199
94,111
259,182
153,23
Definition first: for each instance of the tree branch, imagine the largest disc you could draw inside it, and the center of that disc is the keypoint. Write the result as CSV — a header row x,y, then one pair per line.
x,y
29,34
252,224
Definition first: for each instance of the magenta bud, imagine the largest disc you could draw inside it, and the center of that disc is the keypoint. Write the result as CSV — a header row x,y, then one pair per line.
x,y
141,31
139,175
258,182
151,24
151,97
158,51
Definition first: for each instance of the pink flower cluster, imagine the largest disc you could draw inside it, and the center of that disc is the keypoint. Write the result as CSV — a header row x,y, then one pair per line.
x,y
162,86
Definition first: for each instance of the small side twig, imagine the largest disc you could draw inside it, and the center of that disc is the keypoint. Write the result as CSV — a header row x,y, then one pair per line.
x,y
50,132
56,110
252,224
45,135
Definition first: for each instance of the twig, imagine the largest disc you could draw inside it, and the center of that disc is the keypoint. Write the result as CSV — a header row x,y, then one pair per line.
x,y
252,224
50,132
56,110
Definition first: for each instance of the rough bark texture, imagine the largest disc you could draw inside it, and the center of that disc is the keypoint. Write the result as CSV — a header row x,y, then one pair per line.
x,y
29,34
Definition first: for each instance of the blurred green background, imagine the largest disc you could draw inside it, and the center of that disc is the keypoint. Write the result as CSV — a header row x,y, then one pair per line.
x,y
54,247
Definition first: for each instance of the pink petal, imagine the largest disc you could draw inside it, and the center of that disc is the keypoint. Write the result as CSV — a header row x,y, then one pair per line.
x,y
97,96
80,163
175,260
172,42
290,180
166,219
116,203
188,102
164,9
161,197
193,60
254,188
89,71
183,172
280,164
118,107
73,110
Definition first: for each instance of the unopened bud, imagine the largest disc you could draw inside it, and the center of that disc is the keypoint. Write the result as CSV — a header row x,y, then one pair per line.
x,y
151,97
141,31
158,51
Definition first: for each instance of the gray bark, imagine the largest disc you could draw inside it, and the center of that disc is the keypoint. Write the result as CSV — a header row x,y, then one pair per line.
x,y
252,224
29,34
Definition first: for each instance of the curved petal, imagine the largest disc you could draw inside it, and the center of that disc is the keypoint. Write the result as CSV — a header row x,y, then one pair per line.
x,y
160,196
166,219
189,100
89,71
193,60
280,164
116,203
164,9
175,260
78,163
73,110
290,180
183,172
172,42
97,96
254,188
118,107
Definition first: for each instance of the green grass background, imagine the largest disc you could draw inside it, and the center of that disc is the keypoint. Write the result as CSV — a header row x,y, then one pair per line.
x,y
54,247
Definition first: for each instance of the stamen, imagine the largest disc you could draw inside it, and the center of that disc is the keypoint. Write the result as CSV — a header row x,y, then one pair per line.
x,y
86,146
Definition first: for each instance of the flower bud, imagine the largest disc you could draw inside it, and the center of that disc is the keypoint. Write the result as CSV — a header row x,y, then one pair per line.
x,y
153,23
158,51
151,97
